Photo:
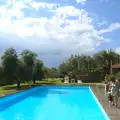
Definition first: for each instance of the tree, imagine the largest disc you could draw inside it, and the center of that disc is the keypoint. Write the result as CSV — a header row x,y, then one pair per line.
x,y
63,67
20,71
38,72
28,57
53,73
80,64
9,65
103,59
1,76
46,72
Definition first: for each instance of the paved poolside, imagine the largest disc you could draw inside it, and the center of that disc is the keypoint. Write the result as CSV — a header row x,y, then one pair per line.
x,y
113,113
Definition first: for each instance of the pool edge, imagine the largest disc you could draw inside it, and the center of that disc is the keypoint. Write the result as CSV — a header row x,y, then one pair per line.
x,y
99,104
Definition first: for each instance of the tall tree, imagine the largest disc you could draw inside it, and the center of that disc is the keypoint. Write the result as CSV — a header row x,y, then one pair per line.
x,y
46,72
9,65
103,59
53,73
99,62
20,71
28,57
38,70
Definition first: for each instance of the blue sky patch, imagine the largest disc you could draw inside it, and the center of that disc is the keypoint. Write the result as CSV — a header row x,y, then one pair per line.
x,y
55,29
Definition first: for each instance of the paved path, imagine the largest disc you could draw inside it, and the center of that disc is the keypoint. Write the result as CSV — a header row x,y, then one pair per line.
x,y
113,113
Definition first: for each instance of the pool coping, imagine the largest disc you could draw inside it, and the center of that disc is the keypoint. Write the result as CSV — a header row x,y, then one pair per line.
x,y
99,104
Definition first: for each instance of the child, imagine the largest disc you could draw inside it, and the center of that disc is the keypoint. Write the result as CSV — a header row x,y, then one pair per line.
x,y
107,85
110,98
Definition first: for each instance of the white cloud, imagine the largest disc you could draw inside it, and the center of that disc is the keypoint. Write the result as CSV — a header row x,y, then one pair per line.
x,y
117,50
56,36
13,10
102,23
38,5
68,11
81,1
111,28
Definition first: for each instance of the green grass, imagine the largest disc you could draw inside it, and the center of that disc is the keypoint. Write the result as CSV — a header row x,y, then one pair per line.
x,y
26,85
8,89
11,88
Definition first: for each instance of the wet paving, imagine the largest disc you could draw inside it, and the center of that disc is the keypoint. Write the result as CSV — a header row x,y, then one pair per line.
x,y
113,112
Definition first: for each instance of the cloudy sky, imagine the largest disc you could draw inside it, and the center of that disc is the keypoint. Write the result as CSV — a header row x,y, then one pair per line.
x,y
55,29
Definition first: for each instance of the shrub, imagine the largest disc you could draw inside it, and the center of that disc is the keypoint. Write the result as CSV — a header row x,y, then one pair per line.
x,y
109,77
117,75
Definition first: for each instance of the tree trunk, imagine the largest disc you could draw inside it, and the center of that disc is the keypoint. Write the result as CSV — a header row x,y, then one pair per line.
x,y
34,81
18,83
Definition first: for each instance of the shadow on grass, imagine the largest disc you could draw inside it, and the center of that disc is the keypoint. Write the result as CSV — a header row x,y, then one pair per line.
x,y
24,87
9,87
15,87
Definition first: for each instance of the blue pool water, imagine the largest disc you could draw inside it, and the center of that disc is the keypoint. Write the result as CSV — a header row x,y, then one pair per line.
x,y
52,103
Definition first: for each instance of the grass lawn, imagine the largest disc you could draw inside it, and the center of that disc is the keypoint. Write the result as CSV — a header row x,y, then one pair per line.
x,y
8,89
12,88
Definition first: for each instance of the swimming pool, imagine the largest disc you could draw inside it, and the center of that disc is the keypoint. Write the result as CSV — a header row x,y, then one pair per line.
x,y
52,103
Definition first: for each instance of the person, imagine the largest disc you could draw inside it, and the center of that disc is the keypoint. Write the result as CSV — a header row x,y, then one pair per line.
x,y
107,85
110,98
115,87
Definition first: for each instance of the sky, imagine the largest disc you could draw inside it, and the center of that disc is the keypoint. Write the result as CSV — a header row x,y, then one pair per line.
x,y
55,29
